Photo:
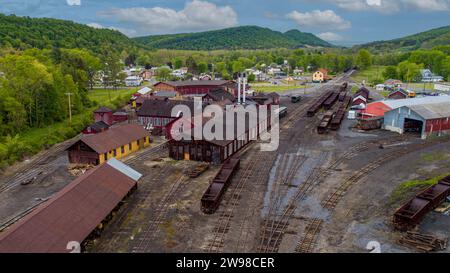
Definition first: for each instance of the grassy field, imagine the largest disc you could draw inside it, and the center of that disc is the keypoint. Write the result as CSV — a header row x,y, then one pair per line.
x,y
277,88
102,95
369,75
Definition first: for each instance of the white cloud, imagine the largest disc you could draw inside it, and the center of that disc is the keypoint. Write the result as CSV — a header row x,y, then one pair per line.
x,y
128,32
73,2
330,36
326,19
392,6
196,15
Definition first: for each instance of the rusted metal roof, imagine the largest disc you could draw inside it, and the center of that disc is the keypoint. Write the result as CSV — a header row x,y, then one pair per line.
x,y
115,137
72,214
163,108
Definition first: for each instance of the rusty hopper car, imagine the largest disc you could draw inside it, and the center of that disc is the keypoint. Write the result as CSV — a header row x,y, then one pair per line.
x,y
412,213
318,104
322,128
337,119
213,195
330,101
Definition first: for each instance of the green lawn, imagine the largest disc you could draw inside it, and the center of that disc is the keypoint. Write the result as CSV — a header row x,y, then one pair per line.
x,y
102,95
277,88
369,75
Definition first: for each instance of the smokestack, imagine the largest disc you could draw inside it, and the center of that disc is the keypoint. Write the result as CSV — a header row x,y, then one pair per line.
x,y
239,88
244,80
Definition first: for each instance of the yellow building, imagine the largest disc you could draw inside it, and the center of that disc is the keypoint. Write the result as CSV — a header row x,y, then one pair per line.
x,y
321,75
116,142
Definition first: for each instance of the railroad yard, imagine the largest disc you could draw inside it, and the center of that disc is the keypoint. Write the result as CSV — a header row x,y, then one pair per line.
x,y
332,192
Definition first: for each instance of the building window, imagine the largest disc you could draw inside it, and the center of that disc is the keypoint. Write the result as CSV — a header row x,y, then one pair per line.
x,y
129,146
106,156
115,152
122,149
138,142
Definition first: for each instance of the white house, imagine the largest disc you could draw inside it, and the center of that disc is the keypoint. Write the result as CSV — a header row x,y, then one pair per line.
x,y
133,81
428,76
380,87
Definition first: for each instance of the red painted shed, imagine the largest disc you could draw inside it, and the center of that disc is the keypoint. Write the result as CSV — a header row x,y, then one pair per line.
x,y
104,114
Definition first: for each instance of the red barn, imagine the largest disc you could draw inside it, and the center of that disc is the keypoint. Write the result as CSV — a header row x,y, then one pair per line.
x,y
196,87
104,114
398,95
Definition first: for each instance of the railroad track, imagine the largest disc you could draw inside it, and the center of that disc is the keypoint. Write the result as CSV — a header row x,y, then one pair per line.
x,y
309,239
37,167
146,237
149,153
306,244
226,211
271,238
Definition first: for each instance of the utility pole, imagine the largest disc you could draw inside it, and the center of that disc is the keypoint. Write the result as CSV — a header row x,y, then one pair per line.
x,y
70,108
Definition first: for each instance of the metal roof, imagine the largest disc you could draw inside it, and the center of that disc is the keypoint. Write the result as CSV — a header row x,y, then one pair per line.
x,y
114,138
71,215
393,104
125,169
144,90
432,111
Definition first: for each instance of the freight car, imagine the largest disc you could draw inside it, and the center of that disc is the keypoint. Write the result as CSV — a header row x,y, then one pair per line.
x,y
323,126
213,195
330,101
318,104
337,119
412,213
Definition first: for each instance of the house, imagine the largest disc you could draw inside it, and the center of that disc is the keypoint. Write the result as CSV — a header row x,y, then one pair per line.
x,y
186,88
116,142
398,94
380,87
423,119
144,91
360,98
392,84
428,76
104,114
155,113
146,74
321,75
205,77
96,128
74,214
180,72
133,81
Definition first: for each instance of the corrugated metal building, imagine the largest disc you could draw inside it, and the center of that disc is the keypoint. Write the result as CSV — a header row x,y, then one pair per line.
x,y
74,214
424,119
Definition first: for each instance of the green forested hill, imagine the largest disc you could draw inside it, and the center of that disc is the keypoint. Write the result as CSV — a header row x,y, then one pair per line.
x,y
426,40
25,32
245,37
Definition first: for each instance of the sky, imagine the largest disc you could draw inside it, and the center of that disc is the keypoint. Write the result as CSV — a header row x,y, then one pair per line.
x,y
342,22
